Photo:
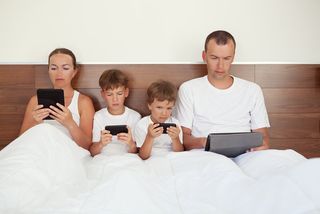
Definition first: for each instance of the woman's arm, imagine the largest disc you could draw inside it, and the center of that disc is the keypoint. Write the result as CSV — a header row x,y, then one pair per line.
x,y
33,115
82,134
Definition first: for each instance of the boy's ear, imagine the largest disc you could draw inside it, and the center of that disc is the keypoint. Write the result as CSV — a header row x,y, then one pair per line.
x,y
149,107
126,92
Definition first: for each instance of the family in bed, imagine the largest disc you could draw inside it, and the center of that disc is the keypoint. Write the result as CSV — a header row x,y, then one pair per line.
x,y
215,103
49,155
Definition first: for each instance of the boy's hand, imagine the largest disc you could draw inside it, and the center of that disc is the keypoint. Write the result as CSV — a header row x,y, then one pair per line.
x,y
105,138
126,137
154,130
173,132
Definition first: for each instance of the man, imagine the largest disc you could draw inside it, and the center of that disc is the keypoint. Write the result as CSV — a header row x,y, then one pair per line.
x,y
220,102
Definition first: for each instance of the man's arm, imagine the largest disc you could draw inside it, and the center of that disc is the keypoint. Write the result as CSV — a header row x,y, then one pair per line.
x,y
266,139
191,142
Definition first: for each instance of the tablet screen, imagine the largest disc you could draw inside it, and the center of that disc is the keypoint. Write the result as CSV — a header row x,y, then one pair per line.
x,y
48,97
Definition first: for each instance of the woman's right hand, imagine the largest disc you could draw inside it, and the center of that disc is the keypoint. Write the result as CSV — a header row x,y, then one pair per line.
x,y
39,113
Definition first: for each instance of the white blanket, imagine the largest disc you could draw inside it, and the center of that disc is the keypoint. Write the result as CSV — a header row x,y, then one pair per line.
x,y
43,171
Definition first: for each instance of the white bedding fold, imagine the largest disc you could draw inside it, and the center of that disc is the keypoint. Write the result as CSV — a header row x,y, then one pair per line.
x,y
51,174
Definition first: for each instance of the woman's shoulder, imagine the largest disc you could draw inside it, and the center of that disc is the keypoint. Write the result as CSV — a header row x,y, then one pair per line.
x,y
33,100
85,102
84,98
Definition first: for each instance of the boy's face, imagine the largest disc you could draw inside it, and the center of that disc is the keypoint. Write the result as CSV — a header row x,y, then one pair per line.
x,y
160,110
115,98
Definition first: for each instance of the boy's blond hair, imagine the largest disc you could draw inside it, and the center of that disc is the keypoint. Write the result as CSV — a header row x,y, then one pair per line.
x,y
161,90
113,78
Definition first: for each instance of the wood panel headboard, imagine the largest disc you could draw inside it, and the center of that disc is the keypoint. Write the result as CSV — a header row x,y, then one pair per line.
x,y
292,95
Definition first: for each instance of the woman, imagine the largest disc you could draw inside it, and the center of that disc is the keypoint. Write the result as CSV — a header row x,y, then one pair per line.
x,y
46,160
77,115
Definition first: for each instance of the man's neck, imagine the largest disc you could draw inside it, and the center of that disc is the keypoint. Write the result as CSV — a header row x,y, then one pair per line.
x,y
224,83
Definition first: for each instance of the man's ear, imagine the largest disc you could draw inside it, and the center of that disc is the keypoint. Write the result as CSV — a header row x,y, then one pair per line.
x,y
126,92
204,56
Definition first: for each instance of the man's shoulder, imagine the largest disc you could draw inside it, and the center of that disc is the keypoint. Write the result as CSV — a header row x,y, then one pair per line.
x,y
247,83
193,82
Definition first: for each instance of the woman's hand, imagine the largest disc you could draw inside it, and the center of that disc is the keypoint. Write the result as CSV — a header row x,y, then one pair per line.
x,y
62,115
39,113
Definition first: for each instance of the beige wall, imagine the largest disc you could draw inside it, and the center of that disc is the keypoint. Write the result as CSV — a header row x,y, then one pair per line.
x,y
166,31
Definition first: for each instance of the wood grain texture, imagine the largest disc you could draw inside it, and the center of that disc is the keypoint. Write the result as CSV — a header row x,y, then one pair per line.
x,y
288,76
292,95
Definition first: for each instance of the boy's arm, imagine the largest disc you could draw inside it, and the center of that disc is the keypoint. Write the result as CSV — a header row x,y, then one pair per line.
x,y
105,139
127,138
174,133
96,148
191,142
153,132
145,150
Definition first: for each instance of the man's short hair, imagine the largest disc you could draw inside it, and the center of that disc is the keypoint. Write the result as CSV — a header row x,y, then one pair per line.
x,y
161,90
221,37
113,78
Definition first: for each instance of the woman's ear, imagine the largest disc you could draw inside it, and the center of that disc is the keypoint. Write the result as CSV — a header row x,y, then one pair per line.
x,y
75,71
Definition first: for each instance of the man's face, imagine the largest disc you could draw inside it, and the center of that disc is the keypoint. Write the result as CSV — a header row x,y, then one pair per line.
x,y
218,59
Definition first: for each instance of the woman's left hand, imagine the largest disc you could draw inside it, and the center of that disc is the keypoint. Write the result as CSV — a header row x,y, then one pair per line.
x,y
62,115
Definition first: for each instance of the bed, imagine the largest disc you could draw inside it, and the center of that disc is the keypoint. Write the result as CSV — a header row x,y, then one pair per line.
x,y
50,174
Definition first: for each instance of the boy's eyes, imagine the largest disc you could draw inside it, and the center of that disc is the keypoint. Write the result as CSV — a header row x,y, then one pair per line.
x,y
160,107
118,93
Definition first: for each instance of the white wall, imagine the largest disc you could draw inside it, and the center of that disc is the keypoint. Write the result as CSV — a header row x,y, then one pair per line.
x,y
158,31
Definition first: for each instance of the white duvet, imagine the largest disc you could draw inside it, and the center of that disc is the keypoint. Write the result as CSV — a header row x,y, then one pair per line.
x,y
43,171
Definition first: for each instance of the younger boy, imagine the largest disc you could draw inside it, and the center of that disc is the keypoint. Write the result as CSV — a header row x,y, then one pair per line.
x,y
148,134
114,91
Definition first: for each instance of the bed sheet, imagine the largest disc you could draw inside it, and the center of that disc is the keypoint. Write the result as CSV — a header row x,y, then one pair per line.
x,y
48,173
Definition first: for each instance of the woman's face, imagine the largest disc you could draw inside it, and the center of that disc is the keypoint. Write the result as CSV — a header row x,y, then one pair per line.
x,y
61,70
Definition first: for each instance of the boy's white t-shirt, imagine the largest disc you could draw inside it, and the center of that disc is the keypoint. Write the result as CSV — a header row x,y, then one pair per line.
x,y
161,143
205,109
103,118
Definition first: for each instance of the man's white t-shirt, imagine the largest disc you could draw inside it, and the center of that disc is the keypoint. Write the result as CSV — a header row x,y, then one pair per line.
x,y
103,118
161,143
205,109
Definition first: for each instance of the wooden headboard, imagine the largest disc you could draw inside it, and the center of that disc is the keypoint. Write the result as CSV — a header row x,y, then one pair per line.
x,y
292,95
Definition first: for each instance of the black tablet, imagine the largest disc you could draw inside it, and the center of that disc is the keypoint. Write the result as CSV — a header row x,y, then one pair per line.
x,y
48,97
233,144
165,126
116,129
